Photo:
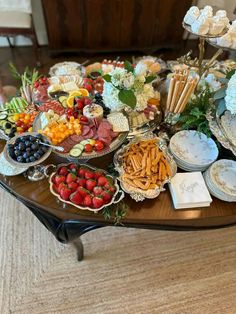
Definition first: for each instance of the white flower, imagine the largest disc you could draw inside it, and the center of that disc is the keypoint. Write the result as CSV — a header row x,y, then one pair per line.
x,y
117,76
110,97
209,81
140,69
143,96
128,81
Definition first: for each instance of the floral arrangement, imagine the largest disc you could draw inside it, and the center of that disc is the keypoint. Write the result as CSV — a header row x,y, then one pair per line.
x,y
128,86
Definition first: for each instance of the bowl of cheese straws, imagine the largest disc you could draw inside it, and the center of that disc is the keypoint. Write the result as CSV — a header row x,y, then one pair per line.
x,y
144,167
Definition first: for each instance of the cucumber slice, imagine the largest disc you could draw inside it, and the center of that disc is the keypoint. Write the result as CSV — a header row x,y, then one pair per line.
x,y
3,115
7,131
79,146
11,119
2,122
75,152
84,142
62,98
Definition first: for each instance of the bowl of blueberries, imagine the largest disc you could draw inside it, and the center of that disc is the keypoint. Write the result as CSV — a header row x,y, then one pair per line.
x,y
27,149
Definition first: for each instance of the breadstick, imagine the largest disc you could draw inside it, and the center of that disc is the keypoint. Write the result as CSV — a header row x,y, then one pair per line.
x,y
187,97
182,97
170,92
174,97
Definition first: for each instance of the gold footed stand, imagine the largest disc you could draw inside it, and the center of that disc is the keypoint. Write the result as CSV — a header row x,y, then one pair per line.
x,y
199,63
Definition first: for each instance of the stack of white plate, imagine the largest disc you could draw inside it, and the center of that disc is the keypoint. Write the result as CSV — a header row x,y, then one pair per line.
x,y
220,179
193,151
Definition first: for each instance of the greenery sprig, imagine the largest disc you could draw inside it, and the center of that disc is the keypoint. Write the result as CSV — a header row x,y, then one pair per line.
x,y
116,212
194,116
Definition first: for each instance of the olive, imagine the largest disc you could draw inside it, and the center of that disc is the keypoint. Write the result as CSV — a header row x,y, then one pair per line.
x,y
27,160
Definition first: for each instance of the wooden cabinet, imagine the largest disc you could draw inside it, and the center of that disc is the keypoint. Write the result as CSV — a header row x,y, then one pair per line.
x,y
114,25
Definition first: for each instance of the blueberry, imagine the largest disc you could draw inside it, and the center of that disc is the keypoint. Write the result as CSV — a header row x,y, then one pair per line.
x,y
32,138
44,149
32,159
34,146
20,159
27,143
26,155
37,156
40,152
22,146
28,149
17,141
17,152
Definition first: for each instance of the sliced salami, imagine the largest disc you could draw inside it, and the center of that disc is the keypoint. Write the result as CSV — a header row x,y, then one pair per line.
x,y
106,140
77,138
89,135
85,130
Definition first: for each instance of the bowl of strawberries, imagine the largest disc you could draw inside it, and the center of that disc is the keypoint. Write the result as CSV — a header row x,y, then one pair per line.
x,y
85,187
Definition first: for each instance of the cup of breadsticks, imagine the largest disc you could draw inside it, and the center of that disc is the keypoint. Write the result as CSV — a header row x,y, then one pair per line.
x,y
181,87
144,168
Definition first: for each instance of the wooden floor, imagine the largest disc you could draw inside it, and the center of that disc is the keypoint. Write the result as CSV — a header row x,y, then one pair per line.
x,y
23,56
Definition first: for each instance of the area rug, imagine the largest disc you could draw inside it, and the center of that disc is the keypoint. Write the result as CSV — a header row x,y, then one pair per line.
x,y
124,270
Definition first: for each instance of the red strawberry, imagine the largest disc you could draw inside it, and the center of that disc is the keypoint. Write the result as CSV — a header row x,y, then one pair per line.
x,y
81,182
88,174
110,187
54,187
90,184
88,201
102,181
63,171
98,174
87,101
72,166
81,172
71,177
76,198
65,193
97,201
82,191
88,87
106,195
59,179
73,186
97,190
62,185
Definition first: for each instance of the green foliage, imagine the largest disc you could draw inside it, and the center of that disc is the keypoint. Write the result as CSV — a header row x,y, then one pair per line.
x,y
116,212
127,97
230,73
107,78
28,77
194,116
149,79
128,66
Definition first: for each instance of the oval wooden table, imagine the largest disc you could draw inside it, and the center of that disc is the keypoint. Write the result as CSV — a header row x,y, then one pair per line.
x,y
68,223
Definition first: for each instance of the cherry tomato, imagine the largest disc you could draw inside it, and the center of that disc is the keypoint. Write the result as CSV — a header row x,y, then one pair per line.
x,y
83,119
75,115
69,111
88,148
36,84
18,123
99,145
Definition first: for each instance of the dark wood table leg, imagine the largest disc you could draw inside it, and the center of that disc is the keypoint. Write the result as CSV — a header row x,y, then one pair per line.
x,y
79,247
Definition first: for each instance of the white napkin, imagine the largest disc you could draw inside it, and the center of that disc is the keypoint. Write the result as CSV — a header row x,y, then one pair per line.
x,y
189,190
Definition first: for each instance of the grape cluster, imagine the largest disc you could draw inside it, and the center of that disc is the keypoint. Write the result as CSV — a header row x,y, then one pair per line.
x,y
99,100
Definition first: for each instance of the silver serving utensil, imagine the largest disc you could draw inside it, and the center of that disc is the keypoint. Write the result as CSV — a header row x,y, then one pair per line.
x,y
59,148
